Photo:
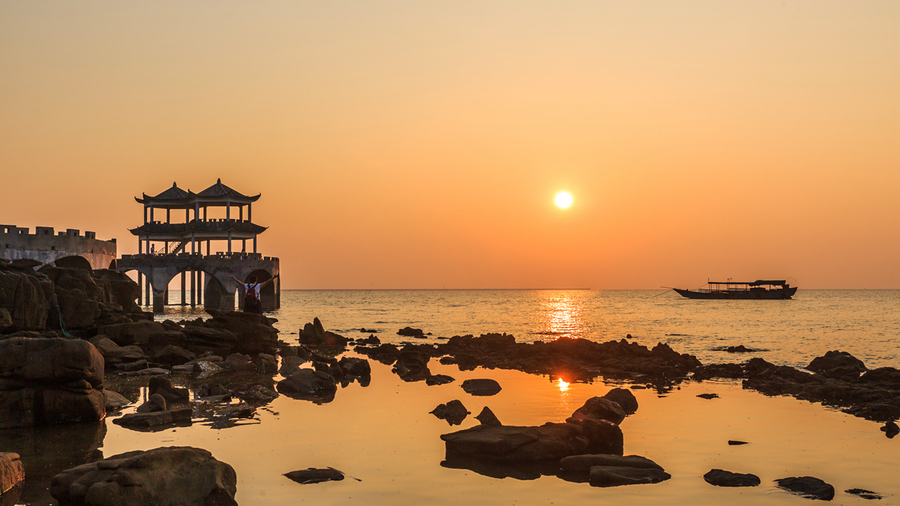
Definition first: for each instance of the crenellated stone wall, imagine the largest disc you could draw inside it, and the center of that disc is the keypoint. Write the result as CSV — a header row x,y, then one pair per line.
x,y
45,246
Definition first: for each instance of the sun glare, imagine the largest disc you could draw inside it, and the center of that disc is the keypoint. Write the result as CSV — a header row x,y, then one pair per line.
x,y
563,200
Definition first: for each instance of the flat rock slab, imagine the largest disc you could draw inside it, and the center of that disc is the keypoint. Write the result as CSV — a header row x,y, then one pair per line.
x,y
610,476
722,478
548,442
586,462
808,486
481,386
174,475
12,471
156,419
313,475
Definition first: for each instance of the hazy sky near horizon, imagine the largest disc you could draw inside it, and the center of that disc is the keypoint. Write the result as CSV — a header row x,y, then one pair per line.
x,y
407,144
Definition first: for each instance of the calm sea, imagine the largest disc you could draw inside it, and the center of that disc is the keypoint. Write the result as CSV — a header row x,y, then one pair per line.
x,y
384,436
865,323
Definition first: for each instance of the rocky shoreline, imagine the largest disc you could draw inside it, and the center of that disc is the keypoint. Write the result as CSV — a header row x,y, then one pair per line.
x,y
67,336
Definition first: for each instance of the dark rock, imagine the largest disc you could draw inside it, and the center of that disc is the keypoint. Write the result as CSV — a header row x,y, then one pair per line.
x,y
27,298
439,379
174,355
266,364
721,478
356,367
290,365
255,333
412,365
453,412
863,493
731,371
624,398
156,419
385,353
732,442
603,436
155,403
487,417
708,396
600,408
115,401
12,471
50,381
583,463
808,486
309,384
605,476
312,475
174,475
551,441
315,335
890,429
481,387
369,341
256,395
411,332
164,387
838,364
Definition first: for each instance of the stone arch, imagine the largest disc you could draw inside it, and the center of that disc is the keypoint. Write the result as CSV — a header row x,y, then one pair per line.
x,y
73,262
267,294
216,296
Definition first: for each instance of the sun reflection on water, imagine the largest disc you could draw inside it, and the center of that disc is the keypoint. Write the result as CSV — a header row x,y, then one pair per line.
x,y
562,315
563,386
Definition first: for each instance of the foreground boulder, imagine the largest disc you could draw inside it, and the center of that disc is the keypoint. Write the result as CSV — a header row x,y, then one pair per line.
x,y
50,381
309,384
182,476
549,442
255,333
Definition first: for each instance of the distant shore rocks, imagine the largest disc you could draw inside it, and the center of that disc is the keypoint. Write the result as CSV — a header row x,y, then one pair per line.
x,y
411,332
808,486
172,475
722,478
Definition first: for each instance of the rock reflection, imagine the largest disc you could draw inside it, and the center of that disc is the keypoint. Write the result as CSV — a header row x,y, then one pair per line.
x,y
47,451
496,469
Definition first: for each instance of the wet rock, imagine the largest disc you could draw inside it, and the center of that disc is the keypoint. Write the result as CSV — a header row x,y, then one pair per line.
x,y
412,366
200,338
411,332
151,371
890,429
551,441
355,367
155,403
266,364
385,353
487,417
722,478
708,396
254,333
439,379
308,384
50,381
115,401
453,412
584,463
174,475
174,355
290,365
863,493
808,486
481,387
730,371
256,395
603,436
312,475
624,398
606,476
239,362
12,471
314,335
164,387
600,408
137,333
369,341
838,364
156,419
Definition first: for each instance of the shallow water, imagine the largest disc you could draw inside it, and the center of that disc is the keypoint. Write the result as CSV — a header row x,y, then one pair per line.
x,y
383,434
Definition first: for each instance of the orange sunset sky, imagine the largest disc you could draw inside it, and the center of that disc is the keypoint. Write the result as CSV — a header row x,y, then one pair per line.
x,y
409,144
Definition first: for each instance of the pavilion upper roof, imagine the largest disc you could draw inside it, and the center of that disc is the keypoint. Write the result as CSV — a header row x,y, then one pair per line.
x,y
217,227
216,195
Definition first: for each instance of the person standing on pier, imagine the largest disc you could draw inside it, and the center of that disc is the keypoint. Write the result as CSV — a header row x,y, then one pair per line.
x,y
252,302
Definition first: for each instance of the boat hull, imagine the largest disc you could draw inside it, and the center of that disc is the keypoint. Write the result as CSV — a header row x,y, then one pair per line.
x,y
781,293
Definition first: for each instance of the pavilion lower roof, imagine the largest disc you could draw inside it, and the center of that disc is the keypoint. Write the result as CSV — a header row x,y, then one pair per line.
x,y
198,227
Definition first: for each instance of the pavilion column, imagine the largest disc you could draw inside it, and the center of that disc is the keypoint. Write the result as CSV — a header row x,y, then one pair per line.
x,y
140,282
145,214
200,287
228,210
168,216
229,242
193,288
249,209
193,244
254,243
183,292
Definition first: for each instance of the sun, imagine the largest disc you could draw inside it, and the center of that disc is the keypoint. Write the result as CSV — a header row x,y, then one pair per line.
x,y
563,200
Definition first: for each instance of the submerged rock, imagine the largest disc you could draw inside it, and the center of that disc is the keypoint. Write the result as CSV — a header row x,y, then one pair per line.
x,y
313,475
155,420
808,486
606,476
863,493
175,475
309,384
453,412
482,387
722,478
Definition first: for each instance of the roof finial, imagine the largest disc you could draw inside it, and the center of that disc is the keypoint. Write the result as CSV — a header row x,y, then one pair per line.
x,y
219,181
174,184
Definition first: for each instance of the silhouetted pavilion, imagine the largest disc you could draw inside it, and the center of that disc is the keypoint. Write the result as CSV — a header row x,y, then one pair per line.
x,y
163,246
